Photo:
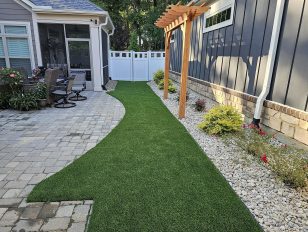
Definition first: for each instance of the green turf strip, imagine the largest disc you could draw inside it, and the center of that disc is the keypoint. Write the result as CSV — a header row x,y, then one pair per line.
x,y
149,174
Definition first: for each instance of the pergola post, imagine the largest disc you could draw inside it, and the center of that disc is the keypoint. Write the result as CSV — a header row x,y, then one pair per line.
x,y
185,65
179,16
167,61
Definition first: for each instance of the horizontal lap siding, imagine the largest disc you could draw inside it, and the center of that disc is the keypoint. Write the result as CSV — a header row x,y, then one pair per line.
x,y
12,11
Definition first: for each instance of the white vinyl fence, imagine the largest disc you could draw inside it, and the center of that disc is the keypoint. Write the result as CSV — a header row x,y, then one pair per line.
x,y
135,66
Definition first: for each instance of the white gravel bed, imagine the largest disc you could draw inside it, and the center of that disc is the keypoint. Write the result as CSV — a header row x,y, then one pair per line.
x,y
276,206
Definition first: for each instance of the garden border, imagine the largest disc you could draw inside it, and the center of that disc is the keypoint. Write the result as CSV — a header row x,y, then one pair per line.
x,y
290,121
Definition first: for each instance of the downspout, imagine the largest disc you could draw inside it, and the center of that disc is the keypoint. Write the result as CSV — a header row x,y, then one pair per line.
x,y
270,62
101,47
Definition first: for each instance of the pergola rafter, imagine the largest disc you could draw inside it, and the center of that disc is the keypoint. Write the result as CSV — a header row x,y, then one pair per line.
x,y
179,16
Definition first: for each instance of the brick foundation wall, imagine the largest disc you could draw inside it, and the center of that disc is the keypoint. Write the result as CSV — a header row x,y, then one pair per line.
x,y
290,121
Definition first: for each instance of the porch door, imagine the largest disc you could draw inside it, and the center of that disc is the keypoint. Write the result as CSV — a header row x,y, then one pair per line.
x,y
79,59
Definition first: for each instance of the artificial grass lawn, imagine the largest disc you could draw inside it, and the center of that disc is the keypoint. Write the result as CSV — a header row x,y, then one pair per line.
x,y
149,174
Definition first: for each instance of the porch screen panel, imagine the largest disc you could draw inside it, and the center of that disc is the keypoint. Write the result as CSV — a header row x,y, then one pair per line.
x,y
79,54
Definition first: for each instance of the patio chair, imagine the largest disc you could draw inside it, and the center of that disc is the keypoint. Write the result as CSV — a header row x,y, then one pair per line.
x,y
79,86
51,76
64,94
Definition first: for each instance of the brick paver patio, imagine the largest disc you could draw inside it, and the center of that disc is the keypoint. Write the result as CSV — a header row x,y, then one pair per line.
x,y
35,145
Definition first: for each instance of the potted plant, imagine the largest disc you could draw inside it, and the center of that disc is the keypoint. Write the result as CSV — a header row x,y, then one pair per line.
x,y
41,94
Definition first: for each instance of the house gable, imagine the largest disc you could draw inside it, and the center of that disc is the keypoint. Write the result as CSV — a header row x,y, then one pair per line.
x,y
13,11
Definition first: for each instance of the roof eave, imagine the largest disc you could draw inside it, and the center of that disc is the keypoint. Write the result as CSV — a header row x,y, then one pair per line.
x,y
67,11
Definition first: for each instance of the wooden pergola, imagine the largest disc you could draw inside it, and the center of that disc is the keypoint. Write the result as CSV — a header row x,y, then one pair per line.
x,y
174,17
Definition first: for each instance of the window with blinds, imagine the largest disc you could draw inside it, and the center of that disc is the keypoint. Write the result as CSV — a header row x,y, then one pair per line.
x,y
14,47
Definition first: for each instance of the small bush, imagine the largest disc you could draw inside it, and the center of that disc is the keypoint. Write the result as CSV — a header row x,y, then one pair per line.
x,y
11,78
200,105
161,84
221,120
158,76
4,100
172,89
291,168
23,101
40,91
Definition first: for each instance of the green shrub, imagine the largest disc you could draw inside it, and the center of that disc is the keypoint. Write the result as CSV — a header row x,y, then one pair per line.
x,y
172,89
290,168
161,84
158,76
23,101
288,163
11,78
40,91
221,120
4,100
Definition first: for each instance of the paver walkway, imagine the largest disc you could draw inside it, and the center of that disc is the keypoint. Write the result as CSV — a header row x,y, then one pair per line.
x,y
35,145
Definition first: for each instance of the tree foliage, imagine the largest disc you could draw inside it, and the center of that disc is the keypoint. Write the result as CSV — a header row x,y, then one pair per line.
x,y
134,23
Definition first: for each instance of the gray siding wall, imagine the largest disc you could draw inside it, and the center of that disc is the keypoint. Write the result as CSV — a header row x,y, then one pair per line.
x,y
236,56
12,11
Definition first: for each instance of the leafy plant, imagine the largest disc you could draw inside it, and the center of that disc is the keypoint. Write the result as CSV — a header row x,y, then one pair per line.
x,y
4,100
220,120
200,105
172,89
288,163
23,101
158,76
40,91
133,42
10,77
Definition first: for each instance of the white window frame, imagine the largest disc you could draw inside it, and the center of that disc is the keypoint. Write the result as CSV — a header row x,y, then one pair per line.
x,y
27,36
217,8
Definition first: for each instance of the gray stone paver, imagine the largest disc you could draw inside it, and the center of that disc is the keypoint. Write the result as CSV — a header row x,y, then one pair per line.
x,y
81,213
56,224
35,145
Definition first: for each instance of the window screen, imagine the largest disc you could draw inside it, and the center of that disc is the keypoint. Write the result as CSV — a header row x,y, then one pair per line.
x,y
77,31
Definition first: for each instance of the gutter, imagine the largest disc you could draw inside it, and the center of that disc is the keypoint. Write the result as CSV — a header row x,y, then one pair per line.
x,y
47,9
270,62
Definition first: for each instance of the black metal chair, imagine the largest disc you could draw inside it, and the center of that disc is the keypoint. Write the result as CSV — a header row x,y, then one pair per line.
x,y
64,94
79,86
